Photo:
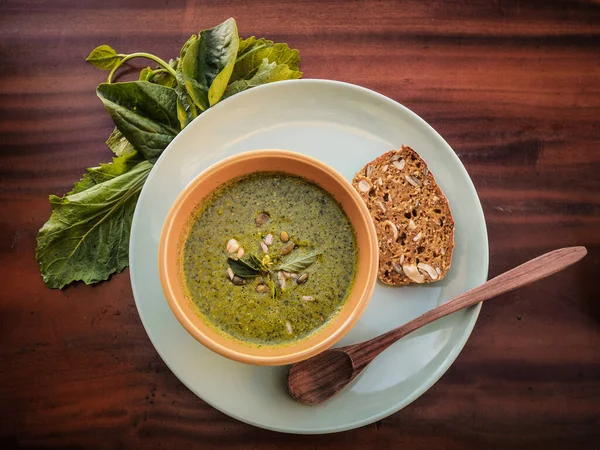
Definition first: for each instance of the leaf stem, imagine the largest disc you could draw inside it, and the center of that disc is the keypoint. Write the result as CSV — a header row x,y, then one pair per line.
x,y
154,58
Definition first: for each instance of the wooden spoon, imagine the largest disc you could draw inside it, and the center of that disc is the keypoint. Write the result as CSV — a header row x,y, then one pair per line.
x,y
321,377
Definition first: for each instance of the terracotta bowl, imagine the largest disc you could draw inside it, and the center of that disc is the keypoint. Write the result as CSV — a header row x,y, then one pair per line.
x,y
175,232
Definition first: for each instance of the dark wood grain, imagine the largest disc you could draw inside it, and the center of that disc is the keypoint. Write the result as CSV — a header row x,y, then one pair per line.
x,y
513,86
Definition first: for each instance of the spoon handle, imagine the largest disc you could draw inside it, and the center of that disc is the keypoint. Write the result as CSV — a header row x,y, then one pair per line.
x,y
536,269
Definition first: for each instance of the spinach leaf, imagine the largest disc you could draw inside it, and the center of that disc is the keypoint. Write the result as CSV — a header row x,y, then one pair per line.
x,y
252,53
158,76
87,235
208,63
267,72
119,144
243,268
186,109
145,113
104,57
298,261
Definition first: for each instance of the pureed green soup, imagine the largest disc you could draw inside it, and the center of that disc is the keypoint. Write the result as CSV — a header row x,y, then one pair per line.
x,y
270,258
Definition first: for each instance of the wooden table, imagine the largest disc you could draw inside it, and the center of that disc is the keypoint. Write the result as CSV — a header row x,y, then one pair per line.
x,y
513,86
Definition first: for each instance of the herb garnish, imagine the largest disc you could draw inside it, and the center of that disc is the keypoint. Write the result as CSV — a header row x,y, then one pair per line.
x,y
87,235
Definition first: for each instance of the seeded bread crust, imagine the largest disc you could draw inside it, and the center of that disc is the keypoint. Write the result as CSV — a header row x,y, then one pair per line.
x,y
412,217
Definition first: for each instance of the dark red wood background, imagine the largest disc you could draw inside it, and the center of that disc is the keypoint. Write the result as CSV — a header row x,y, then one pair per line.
x,y
513,86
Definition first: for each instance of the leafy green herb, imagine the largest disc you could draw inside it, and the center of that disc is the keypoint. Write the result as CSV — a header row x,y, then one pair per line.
x,y
104,57
252,53
298,261
208,63
243,268
256,263
87,235
266,73
119,144
145,113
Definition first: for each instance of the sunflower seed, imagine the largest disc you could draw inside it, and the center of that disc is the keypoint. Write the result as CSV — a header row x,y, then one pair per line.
x,y
417,237
438,270
388,223
429,270
385,168
413,181
288,327
264,247
399,164
232,246
293,276
306,298
425,171
269,239
369,171
411,271
380,181
284,236
382,206
302,278
286,248
230,273
412,225
397,268
261,219
364,186
402,259
443,251
395,157
240,252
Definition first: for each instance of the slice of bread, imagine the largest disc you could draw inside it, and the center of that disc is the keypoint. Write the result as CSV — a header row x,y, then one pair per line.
x,y
414,223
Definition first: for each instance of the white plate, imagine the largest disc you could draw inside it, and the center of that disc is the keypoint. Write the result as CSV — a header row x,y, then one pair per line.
x,y
344,126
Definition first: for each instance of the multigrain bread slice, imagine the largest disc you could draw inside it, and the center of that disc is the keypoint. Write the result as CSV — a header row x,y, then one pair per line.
x,y
412,217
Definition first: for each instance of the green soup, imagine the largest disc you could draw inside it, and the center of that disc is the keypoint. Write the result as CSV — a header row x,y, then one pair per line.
x,y
291,295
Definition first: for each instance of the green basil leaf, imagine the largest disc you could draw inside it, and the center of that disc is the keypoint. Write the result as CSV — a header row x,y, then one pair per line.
x,y
243,268
208,63
252,53
298,261
103,57
119,144
87,235
145,113
266,73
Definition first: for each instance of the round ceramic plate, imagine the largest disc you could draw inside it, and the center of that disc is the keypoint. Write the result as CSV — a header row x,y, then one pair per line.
x,y
344,126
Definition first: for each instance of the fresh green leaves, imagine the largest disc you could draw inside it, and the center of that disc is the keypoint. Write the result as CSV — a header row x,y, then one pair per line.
x,y
252,53
87,235
244,268
208,63
104,57
145,113
119,144
266,73
298,261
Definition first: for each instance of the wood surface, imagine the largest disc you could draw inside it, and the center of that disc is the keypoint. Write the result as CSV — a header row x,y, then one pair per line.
x,y
513,86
